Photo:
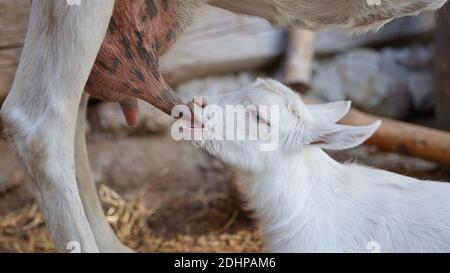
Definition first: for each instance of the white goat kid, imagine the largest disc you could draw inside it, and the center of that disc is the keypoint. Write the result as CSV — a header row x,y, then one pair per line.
x,y
305,201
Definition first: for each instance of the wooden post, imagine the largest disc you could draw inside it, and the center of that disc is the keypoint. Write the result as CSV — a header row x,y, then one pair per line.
x,y
299,59
442,68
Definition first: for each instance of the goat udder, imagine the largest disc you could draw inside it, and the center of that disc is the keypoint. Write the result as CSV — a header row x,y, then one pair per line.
x,y
127,64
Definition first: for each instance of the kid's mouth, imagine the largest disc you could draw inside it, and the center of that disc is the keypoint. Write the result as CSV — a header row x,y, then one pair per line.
x,y
196,118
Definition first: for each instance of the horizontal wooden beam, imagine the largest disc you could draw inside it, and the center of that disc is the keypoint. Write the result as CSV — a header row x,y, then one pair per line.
x,y
9,59
13,22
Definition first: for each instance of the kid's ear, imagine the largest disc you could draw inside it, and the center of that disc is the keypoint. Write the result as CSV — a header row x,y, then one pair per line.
x,y
329,112
338,137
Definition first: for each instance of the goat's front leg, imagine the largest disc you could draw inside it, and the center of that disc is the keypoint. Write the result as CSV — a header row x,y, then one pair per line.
x,y
104,236
40,112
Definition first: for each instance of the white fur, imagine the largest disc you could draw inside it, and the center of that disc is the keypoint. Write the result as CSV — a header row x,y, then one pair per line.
x,y
356,15
304,201
40,112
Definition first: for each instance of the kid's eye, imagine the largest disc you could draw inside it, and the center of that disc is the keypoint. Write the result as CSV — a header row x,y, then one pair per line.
x,y
260,119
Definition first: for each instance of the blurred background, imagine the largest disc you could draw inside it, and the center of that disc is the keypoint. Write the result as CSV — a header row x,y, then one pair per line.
x,y
167,196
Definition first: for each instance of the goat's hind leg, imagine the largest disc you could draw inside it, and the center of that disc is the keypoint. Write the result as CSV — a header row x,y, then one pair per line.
x,y
104,235
40,112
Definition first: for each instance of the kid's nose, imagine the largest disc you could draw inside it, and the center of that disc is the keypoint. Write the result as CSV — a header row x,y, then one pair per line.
x,y
200,101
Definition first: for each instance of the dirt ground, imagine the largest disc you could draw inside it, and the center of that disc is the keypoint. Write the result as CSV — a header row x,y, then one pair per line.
x,y
165,196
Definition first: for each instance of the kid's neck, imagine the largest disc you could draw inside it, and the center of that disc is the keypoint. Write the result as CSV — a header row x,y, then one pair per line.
x,y
282,195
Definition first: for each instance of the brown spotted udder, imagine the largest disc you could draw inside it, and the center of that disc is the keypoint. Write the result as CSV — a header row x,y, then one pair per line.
x,y
140,31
